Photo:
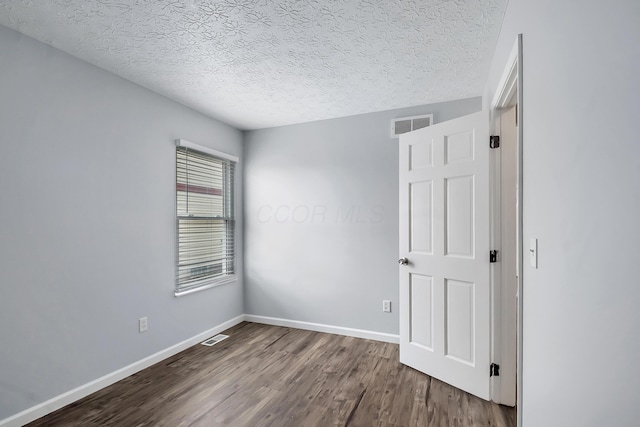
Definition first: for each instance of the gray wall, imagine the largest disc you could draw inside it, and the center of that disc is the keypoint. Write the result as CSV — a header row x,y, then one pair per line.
x,y
582,201
87,178
321,218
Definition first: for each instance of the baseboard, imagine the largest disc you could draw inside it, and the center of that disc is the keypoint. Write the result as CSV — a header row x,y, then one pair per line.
x,y
319,327
71,396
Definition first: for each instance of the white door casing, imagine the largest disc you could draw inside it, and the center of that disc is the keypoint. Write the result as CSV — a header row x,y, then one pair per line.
x,y
505,389
508,320
444,235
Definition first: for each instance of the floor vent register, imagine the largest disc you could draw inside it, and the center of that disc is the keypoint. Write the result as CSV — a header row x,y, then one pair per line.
x,y
214,340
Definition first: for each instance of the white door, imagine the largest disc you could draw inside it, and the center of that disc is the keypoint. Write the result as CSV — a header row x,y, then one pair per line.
x,y
444,241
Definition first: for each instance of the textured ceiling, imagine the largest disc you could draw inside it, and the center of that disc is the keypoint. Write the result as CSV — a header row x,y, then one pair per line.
x,y
264,63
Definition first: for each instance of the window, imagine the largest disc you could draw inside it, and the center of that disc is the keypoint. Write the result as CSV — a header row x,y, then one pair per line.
x,y
205,217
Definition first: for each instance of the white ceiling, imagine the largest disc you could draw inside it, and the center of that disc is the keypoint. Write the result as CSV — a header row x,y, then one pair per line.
x,y
264,63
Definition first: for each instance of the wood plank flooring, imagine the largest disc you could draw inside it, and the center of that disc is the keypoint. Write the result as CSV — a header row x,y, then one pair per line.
x,y
272,376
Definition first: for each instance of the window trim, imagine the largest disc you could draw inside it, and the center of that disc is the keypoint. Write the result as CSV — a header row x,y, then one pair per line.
x,y
210,282
206,150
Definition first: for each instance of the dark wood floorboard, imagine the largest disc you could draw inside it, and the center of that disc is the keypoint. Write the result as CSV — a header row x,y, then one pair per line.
x,y
273,376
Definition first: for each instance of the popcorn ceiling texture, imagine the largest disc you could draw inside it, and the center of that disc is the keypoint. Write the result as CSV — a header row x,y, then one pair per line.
x,y
264,63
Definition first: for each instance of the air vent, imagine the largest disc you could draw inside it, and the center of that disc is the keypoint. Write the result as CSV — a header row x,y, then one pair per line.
x,y
407,124
215,340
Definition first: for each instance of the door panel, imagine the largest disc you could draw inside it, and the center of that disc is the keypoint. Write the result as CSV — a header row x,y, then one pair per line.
x,y
458,147
459,323
444,233
420,156
421,217
459,227
422,311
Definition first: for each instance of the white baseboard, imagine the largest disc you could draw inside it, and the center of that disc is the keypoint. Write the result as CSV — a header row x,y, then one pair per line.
x,y
319,327
71,396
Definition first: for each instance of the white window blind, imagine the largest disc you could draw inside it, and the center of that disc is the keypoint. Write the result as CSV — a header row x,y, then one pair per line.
x,y
205,220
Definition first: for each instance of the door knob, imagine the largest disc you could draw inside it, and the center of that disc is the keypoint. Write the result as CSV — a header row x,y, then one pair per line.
x,y
403,261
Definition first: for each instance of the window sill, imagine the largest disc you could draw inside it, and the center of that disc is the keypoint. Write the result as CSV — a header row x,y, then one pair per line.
x,y
205,285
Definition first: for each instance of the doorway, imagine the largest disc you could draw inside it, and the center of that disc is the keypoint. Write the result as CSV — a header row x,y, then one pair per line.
x,y
461,310
507,298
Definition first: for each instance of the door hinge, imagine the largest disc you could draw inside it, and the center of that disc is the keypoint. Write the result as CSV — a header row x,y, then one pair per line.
x,y
493,256
494,370
494,141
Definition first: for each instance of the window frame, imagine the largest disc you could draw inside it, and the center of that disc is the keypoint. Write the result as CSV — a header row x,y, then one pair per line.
x,y
205,283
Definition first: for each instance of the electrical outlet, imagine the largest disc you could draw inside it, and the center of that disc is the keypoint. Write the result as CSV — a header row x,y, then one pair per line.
x,y
386,306
143,324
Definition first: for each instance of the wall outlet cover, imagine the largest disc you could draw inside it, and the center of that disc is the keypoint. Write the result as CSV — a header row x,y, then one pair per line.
x,y
386,306
143,324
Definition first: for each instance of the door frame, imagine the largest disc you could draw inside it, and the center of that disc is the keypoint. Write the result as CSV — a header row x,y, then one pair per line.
x,y
508,90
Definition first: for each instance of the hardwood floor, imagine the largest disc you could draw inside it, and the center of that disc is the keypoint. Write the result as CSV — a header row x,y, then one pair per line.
x,y
272,376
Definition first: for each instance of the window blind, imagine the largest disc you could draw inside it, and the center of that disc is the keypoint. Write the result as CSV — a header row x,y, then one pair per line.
x,y
205,220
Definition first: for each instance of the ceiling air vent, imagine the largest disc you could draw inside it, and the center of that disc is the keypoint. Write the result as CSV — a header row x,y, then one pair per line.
x,y
407,124
215,340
